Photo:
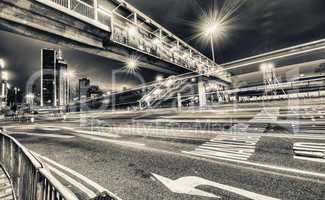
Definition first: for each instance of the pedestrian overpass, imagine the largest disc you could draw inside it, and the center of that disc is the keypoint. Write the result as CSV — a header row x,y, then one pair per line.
x,y
110,28
305,52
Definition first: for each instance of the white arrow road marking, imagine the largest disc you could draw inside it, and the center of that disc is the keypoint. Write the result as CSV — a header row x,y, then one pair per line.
x,y
184,186
96,133
187,185
50,129
119,142
86,180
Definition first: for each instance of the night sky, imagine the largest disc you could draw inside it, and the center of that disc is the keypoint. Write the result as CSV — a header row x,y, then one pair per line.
x,y
258,26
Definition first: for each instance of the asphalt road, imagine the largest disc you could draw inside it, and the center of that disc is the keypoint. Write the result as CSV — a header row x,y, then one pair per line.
x,y
136,167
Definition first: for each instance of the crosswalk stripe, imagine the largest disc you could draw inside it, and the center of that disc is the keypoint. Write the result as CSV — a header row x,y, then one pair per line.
x,y
224,154
226,147
309,151
224,151
234,143
213,156
310,159
237,146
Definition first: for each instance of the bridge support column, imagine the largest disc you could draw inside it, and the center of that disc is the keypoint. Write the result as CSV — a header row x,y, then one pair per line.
x,y
179,101
96,10
202,93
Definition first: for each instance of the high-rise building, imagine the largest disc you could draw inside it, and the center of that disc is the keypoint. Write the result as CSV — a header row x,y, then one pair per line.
x,y
54,86
4,93
62,80
84,84
94,91
48,77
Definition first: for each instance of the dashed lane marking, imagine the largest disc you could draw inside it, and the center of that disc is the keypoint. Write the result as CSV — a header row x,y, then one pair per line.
x,y
41,135
56,167
265,166
103,139
80,186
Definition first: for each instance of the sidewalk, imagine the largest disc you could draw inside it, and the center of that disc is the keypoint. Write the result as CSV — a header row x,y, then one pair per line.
x,y
6,192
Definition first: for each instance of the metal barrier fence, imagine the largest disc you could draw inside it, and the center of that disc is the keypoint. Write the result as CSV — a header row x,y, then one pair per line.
x,y
30,181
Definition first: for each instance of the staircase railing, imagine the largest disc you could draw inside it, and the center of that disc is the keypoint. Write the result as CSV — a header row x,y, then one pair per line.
x,y
165,88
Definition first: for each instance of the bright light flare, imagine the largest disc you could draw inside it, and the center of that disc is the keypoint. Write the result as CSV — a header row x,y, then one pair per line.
x,y
159,78
2,64
267,67
30,96
70,74
5,76
218,22
212,26
132,64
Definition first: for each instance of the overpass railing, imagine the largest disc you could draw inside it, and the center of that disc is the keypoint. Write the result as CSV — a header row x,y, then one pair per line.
x,y
135,34
82,8
30,180
77,6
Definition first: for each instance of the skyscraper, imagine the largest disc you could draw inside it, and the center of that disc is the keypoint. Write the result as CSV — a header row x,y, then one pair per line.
x,y
54,86
62,80
48,78
84,84
4,93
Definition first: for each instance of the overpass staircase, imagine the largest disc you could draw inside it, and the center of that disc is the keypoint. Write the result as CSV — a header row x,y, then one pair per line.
x,y
161,92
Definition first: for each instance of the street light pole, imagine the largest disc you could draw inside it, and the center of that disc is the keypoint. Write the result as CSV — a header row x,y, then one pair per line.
x,y
212,48
2,64
15,93
4,83
69,90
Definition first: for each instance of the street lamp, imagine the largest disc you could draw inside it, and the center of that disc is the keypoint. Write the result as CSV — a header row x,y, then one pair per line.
x,y
159,78
132,64
30,99
2,64
5,76
212,28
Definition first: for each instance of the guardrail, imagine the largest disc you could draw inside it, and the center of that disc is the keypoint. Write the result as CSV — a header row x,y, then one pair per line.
x,y
30,180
